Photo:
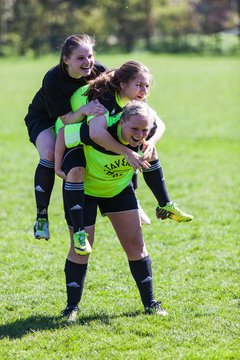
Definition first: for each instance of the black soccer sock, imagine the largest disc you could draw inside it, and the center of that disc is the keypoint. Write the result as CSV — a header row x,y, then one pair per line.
x,y
154,178
142,273
74,197
135,181
75,277
43,185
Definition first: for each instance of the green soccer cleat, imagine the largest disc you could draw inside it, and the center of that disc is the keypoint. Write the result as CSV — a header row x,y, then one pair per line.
x,y
41,229
172,212
81,243
155,309
70,312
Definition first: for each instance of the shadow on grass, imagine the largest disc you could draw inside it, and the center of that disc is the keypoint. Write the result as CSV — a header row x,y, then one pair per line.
x,y
33,324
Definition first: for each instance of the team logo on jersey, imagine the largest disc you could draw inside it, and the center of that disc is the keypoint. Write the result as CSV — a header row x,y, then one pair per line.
x,y
117,168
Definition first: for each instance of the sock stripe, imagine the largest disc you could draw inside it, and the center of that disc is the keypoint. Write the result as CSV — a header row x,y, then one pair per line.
x,y
74,186
47,163
153,167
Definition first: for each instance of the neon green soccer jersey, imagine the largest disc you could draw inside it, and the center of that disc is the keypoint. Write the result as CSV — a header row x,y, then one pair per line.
x,y
77,100
107,173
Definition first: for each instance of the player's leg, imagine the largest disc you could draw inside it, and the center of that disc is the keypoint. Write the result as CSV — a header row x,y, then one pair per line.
x,y
154,178
128,229
73,192
76,267
143,216
44,181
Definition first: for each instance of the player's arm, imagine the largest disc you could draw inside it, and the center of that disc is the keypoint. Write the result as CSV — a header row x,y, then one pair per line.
x,y
149,145
94,108
99,134
160,129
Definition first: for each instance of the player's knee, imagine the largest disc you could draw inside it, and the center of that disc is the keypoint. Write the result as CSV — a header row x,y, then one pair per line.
x,y
47,154
76,174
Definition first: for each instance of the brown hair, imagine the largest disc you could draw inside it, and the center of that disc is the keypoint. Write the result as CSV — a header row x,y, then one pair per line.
x,y
71,43
109,81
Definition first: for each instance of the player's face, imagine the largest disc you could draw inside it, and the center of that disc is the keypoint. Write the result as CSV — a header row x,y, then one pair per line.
x,y
136,89
80,62
135,130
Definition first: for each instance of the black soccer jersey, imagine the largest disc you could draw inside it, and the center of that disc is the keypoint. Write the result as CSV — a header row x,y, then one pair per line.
x,y
112,104
53,99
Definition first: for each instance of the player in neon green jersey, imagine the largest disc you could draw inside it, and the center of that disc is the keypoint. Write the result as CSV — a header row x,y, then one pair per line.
x,y
113,89
74,161
134,83
108,186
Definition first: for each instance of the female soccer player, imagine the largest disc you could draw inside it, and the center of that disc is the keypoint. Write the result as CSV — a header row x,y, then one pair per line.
x,y
77,66
114,89
108,186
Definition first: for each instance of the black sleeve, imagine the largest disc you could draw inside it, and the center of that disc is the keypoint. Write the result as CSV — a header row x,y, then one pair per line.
x,y
56,101
84,134
152,131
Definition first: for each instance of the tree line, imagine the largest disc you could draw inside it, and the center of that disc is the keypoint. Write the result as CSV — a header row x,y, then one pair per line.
x,y
40,26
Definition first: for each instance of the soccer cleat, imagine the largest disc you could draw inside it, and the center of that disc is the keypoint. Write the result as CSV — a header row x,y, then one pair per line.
x,y
41,229
70,312
172,212
81,243
143,217
155,309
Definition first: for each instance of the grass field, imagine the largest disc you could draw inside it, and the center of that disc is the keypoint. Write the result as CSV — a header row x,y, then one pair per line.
x,y
196,265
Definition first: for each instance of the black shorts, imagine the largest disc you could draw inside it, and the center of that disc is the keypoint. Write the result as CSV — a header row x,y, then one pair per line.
x,y
72,158
126,200
36,123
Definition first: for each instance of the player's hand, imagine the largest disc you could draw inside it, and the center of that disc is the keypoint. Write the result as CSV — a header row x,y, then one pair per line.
x,y
94,107
137,162
61,174
148,150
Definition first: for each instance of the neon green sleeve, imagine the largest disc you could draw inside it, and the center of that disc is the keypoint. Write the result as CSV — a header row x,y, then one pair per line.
x,y
58,125
72,135
113,119
78,98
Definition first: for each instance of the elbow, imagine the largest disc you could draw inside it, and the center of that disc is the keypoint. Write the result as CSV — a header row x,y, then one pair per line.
x,y
94,136
64,119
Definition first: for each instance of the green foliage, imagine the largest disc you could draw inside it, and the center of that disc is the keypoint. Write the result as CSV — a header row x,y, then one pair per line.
x,y
39,27
195,265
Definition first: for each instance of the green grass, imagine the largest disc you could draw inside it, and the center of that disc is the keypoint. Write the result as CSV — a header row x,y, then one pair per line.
x,y
196,265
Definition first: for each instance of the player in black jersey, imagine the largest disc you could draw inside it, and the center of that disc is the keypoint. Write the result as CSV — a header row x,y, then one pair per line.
x,y
77,66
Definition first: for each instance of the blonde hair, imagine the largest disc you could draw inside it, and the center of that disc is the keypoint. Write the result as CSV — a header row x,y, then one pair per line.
x,y
135,107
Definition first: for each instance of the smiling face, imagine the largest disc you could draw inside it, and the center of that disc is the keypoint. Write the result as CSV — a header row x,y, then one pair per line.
x,y
136,89
80,62
135,129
